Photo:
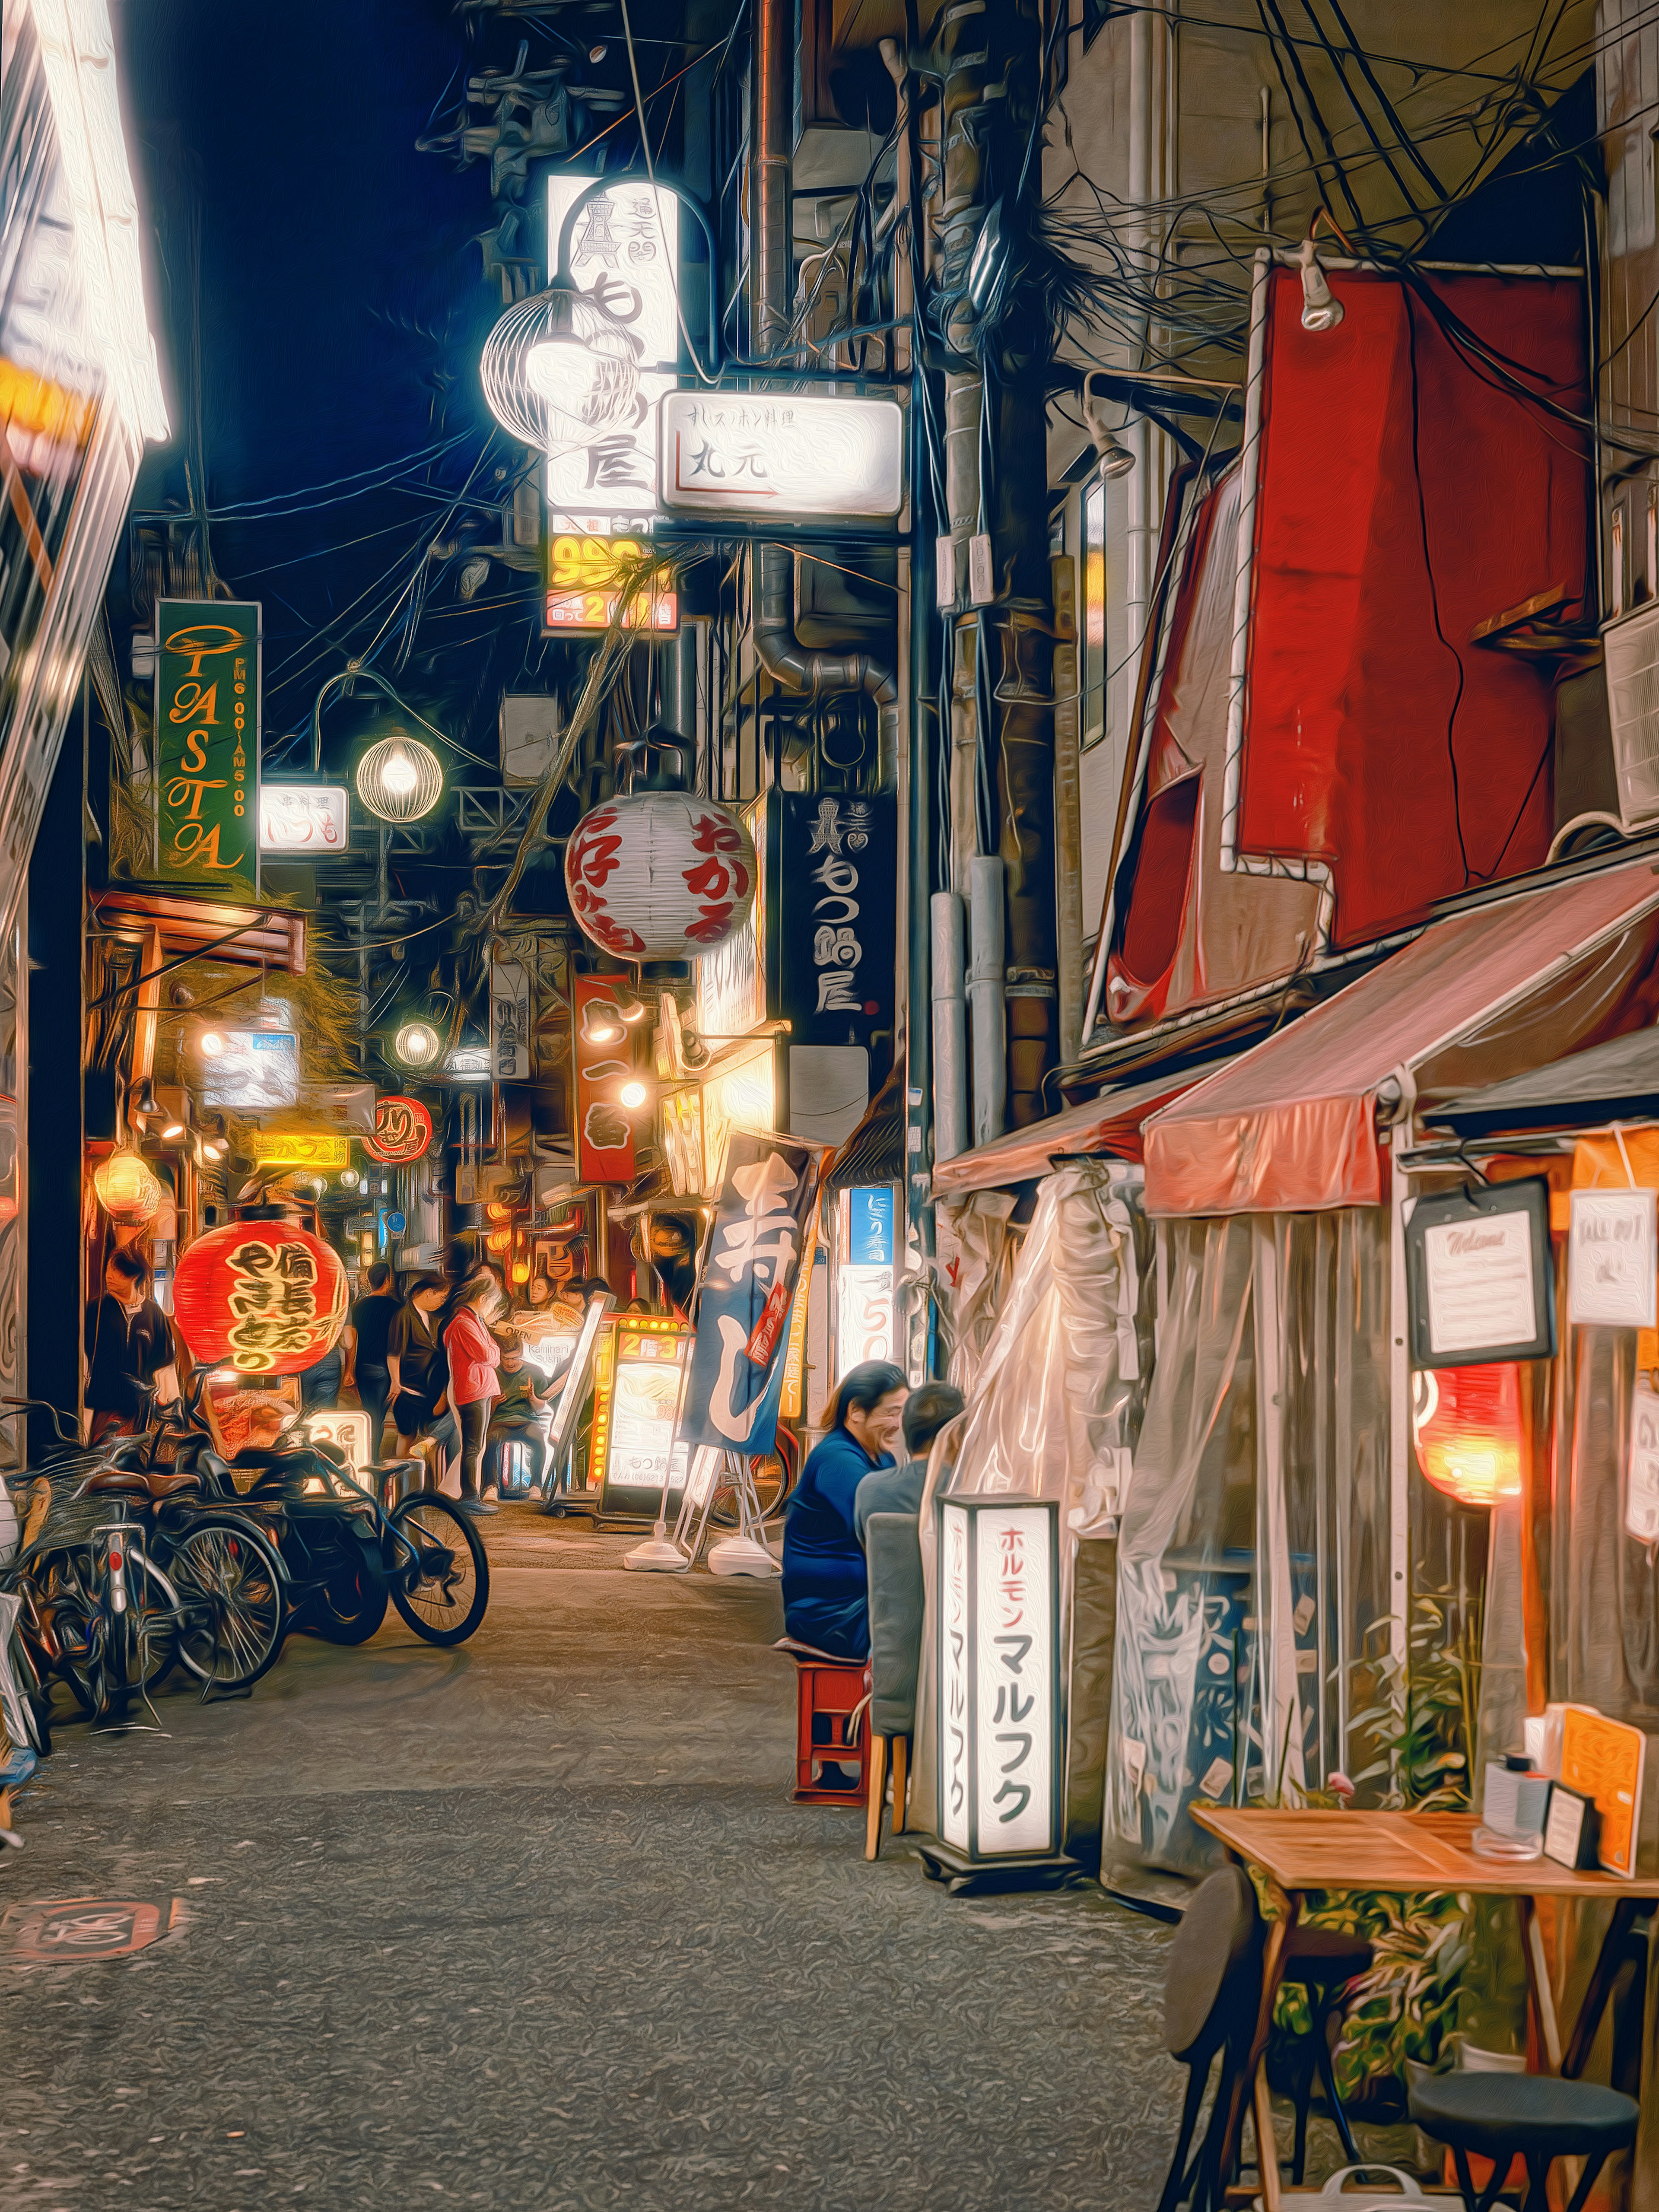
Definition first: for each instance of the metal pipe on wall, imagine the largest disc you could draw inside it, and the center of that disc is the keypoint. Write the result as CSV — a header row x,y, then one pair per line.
x,y
985,996
950,1028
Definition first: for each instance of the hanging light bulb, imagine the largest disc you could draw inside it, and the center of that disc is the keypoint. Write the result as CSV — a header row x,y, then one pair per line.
x,y
400,779
633,1095
1112,457
1320,308
521,1270
416,1044
209,1044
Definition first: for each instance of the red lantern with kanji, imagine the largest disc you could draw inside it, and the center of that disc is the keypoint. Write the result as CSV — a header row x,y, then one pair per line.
x,y
661,874
402,1131
264,1297
1467,1426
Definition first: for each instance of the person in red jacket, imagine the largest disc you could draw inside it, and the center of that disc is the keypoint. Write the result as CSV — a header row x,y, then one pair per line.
x,y
474,1357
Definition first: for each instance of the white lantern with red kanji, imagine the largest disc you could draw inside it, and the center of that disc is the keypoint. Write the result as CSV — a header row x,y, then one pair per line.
x,y
660,875
264,1297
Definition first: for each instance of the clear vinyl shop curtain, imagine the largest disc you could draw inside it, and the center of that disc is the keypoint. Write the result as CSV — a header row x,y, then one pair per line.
x,y
1057,1403
1253,1552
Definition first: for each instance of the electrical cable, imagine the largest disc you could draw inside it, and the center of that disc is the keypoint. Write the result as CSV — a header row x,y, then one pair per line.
x,y
704,375
277,506
1434,589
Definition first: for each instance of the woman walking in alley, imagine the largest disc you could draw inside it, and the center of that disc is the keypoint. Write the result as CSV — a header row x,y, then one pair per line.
x,y
474,1385
825,1589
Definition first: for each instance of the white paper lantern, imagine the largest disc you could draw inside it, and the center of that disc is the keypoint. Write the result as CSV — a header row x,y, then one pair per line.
x,y
663,875
400,779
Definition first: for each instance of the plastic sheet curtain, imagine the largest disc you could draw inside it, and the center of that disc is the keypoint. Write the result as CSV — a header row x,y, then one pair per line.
x,y
1057,1404
976,1246
1252,1551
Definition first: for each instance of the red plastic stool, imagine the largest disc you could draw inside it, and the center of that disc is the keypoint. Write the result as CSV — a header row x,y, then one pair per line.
x,y
828,1693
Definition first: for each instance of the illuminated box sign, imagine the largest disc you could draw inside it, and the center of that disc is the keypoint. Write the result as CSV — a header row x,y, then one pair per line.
x,y
636,1395
207,739
780,458
303,817
327,1149
624,249
999,1752
586,578
256,1071
864,1318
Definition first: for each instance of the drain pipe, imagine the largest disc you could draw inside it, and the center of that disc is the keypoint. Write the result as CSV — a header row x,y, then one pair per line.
x,y
806,673
986,975
949,1029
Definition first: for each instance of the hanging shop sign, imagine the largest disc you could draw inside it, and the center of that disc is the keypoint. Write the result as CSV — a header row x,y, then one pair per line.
x,y
605,1131
327,1149
254,1071
999,1655
1613,1263
402,1131
637,1378
1479,1275
751,1262
659,875
262,1296
207,739
782,457
864,1307
509,1021
731,978
830,933
1641,1475
588,579
344,1105
309,818
624,249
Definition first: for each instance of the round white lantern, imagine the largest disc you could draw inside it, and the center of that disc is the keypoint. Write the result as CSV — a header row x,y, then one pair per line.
x,y
400,779
560,370
662,875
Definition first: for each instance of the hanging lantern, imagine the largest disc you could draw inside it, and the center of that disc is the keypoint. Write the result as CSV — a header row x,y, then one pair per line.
x,y
1466,1424
559,370
661,874
126,1188
403,1127
400,779
261,1296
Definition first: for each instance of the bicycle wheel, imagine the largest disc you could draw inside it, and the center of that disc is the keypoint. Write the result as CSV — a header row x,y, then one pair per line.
x,y
448,1601
230,1594
775,1477
350,1605
134,1649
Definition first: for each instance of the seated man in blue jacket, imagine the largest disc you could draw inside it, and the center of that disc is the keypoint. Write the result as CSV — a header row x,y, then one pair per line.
x,y
929,1407
825,1592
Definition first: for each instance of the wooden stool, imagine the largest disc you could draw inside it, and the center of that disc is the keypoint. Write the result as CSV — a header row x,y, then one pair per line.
x,y
831,1695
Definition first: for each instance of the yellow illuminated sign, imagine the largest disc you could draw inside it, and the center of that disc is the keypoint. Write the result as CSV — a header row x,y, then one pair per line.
x,y
586,578
300,1148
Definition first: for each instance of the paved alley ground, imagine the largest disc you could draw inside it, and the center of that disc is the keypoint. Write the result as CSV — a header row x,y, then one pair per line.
x,y
533,1923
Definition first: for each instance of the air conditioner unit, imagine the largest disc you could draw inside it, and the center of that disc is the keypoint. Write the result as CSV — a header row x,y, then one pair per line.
x,y
1631,653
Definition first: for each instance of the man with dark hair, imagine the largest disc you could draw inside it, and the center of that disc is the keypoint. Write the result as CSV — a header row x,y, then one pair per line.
x,y
366,1337
898,1489
129,1347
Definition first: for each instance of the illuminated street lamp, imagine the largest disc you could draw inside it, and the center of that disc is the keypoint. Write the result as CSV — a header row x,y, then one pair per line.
x,y
416,1044
560,370
399,780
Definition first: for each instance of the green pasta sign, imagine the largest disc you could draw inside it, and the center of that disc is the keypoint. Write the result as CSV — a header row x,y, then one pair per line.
x,y
207,740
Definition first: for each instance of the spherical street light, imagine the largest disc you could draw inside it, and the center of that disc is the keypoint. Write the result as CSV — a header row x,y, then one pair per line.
x,y
633,1095
399,779
560,370
416,1044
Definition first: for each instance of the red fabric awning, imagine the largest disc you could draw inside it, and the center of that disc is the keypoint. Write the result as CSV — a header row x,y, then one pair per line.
x,y
1110,1123
1289,1127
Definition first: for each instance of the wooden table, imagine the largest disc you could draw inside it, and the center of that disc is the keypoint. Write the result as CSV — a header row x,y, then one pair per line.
x,y
1405,1853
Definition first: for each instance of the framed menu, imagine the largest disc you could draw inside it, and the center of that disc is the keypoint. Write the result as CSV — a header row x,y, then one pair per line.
x,y
1604,1760
636,1401
1480,1276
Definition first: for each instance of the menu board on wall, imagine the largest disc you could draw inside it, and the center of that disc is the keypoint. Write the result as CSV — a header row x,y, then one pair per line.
x,y
636,1397
1480,1276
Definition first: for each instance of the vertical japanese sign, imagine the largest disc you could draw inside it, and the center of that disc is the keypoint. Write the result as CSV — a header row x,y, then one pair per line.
x,y
749,1269
509,1021
864,1319
953,1676
207,740
1014,1662
834,942
604,1135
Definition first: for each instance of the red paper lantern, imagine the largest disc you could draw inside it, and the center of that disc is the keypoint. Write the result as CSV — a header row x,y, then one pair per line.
x,y
663,875
262,1296
1466,1424
403,1130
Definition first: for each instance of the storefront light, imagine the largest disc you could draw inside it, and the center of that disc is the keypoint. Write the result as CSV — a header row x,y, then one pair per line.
x,y
126,1188
349,1178
601,1023
1467,1426
633,1095
173,1131
400,779
209,1044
